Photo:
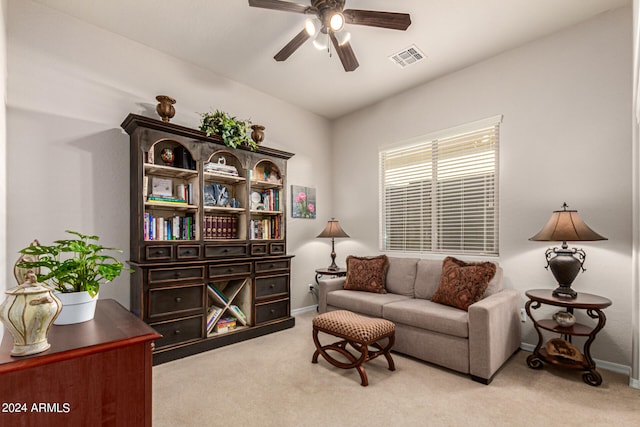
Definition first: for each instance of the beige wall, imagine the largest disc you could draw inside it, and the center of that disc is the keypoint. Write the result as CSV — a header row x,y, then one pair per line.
x,y
566,136
71,84
3,151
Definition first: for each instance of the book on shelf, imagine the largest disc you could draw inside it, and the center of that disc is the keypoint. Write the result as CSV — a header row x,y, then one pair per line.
x,y
239,314
225,324
163,199
145,186
217,294
213,314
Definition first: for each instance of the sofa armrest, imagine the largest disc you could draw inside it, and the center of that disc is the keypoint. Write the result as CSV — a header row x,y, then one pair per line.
x,y
494,333
324,287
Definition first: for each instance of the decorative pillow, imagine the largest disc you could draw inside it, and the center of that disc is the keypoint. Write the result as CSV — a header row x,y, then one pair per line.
x,y
367,274
463,283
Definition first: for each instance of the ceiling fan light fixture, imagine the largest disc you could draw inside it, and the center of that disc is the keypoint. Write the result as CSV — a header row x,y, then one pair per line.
x,y
321,41
336,22
311,27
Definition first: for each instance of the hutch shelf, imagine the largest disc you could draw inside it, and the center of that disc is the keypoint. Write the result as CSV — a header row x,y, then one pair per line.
x,y
208,238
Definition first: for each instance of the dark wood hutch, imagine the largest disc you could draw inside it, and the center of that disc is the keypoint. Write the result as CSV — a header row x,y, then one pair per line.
x,y
208,238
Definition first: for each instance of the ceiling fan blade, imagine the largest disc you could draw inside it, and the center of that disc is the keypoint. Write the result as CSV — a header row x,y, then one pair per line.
x,y
280,5
372,18
345,53
292,46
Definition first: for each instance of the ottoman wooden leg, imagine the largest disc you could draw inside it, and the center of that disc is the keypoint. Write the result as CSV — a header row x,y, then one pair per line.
x,y
357,363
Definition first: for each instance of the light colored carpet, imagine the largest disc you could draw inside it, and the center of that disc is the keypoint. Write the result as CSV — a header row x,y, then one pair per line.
x,y
270,381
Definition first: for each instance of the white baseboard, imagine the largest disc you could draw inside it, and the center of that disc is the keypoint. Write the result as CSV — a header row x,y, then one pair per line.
x,y
609,366
634,383
303,310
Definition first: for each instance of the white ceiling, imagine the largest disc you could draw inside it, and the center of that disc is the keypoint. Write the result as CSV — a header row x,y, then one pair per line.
x,y
237,41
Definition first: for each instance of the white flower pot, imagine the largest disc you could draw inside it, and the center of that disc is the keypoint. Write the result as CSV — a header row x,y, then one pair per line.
x,y
77,307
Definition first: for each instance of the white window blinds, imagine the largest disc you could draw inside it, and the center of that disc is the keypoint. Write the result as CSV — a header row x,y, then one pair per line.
x,y
441,193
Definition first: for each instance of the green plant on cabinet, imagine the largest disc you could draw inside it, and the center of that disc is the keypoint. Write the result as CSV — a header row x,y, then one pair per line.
x,y
74,265
234,131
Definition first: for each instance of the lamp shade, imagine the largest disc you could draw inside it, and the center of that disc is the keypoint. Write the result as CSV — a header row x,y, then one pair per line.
x,y
566,226
333,230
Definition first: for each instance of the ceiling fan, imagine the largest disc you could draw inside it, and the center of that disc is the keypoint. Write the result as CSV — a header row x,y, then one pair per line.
x,y
330,19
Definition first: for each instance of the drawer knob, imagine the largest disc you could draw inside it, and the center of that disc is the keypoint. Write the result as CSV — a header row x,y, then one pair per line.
x,y
177,274
225,250
230,270
272,265
177,332
272,285
178,299
272,311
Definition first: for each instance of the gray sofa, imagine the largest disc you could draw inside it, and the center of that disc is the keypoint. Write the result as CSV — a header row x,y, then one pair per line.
x,y
477,342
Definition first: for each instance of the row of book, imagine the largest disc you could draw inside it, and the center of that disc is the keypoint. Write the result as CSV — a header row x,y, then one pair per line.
x,y
220,227
173,228
265,229
271,200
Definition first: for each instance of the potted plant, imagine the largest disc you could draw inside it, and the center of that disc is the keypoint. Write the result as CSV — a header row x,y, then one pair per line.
x,y
234,132
75,268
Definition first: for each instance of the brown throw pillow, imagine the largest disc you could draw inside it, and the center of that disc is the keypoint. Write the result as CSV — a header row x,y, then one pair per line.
x,y
463,283
367,273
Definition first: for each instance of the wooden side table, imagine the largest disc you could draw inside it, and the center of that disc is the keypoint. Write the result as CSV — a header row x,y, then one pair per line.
x,y
95,373
593,304
341,272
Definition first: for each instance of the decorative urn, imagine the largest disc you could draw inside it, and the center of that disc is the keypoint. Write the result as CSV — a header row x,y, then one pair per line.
x,y
165,108
564,319
27,313
257,133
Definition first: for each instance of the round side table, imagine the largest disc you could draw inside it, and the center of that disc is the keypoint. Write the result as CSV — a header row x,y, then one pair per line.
x,y
593,304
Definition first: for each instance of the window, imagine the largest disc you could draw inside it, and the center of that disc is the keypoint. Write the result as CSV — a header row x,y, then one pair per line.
x,y
440,193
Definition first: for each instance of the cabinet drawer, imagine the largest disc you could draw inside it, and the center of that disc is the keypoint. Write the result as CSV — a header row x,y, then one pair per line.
x,y
175,301
214,251
158,252
272,311
276,248
178,331
188,251
258,249
160,275
272,286
224,270
274,265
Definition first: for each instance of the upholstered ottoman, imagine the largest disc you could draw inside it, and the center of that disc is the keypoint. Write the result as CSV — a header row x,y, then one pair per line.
x,y
360,333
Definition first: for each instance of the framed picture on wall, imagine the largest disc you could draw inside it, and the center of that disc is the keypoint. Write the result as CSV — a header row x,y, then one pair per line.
x,y
303,202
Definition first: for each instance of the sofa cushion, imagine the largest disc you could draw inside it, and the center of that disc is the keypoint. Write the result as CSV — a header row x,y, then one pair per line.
x,y
427,277
428,315
367,303
463,283
401,276
367,273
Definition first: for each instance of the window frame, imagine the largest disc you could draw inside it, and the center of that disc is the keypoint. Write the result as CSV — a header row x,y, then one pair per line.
x,y
434,243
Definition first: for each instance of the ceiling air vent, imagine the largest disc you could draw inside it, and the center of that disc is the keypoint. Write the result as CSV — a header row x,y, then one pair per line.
x,y
408,56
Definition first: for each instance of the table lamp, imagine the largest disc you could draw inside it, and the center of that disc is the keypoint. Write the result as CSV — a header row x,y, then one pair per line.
x,y
333,230
565,264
